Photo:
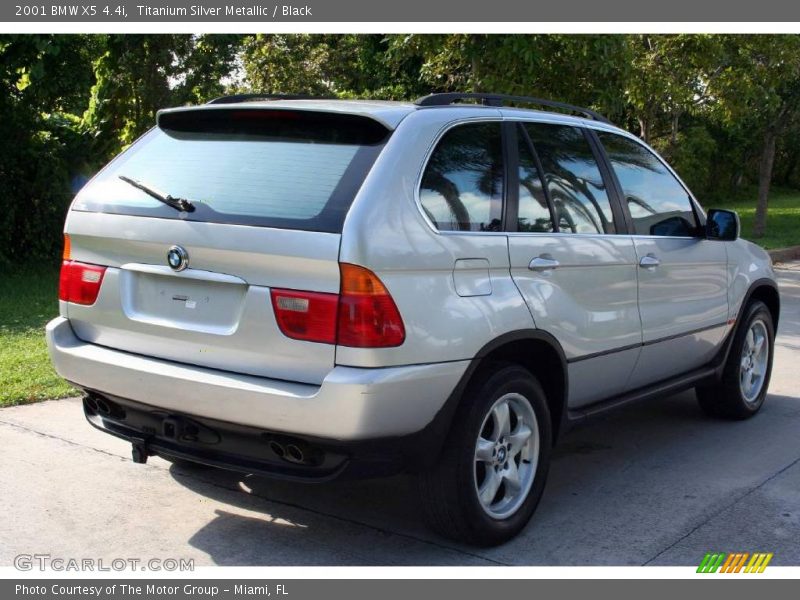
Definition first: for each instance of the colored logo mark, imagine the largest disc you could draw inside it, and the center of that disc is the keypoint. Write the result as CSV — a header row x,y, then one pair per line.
x,y
734,562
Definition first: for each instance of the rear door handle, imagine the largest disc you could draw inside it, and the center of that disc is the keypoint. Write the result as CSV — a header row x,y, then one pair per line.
x,y
649,261
543,262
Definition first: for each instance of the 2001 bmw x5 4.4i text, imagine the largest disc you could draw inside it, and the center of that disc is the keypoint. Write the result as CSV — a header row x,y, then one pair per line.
x,y
313,289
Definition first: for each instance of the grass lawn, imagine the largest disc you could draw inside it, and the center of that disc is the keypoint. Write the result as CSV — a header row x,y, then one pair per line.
x,y
28,299
783,217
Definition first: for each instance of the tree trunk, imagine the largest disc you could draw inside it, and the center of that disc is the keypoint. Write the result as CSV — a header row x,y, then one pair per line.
x,y
673,135
475,62
644,129
476,82
764,179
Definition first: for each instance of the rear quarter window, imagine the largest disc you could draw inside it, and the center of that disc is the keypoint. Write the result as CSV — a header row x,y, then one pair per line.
x,y
462,186
287,169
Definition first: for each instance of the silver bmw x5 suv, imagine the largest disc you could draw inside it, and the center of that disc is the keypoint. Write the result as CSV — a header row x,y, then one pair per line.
x,y
313,289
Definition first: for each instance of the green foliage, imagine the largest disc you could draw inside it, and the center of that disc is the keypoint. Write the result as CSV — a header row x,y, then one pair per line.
x,y
581,69
41,143
205,68
693,154
756,78
665,83
132,81
347,66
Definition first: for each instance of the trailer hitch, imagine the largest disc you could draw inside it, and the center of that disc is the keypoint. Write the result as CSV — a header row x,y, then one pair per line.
x,y
139,451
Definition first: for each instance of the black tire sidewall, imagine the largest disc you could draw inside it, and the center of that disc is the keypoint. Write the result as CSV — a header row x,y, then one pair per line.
x,y
755,310
480,398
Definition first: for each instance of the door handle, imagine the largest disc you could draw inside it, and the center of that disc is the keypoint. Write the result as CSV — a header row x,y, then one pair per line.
x,y
543,262
649,261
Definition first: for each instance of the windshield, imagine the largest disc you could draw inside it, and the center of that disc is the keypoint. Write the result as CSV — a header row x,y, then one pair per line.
x,y
285,169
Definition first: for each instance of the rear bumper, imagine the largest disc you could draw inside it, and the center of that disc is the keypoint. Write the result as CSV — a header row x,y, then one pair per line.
x,y
154,432
351,404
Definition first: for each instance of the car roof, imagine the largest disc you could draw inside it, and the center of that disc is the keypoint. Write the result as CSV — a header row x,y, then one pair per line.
x,y
390,113
386,112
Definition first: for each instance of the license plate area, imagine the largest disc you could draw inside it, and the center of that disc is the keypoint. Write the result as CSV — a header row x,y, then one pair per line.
x,y
209,305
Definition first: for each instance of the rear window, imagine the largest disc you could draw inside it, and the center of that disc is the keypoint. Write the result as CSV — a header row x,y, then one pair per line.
x,y
273,168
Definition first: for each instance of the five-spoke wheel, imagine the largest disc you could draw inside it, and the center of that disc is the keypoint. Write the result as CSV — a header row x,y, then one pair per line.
x,y
494,462
506,454
755,357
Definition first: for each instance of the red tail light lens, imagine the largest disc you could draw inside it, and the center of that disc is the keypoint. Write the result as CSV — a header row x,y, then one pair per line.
x,y
309,316
363,315
80,283
368,317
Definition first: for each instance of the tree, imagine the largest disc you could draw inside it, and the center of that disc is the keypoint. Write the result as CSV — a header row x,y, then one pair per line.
x,y
589,70
669,78
132,81
40,146
759,85
206,66
327,65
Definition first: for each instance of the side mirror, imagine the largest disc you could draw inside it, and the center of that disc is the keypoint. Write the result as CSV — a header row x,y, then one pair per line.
x,y
722,225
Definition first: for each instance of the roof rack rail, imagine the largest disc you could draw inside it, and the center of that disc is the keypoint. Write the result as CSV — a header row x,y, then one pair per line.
x,y
445,99
235,98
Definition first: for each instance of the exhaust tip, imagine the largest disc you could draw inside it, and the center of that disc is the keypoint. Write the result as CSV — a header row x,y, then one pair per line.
x,y
293,450
94,404
294,453
277,449
103,407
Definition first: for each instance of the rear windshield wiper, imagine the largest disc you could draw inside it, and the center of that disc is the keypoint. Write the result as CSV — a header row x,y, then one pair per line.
x,y
181,204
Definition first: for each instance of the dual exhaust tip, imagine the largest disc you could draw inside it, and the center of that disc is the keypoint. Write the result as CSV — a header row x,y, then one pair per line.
x,y
104,407
295,452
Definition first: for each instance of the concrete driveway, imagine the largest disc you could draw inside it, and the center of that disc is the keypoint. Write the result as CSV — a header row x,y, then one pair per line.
x,y
653,484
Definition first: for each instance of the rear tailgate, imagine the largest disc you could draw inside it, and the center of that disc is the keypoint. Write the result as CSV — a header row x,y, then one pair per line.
x,y
270,190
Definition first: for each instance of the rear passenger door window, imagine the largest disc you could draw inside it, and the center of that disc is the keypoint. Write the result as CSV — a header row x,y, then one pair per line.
x,y
462,187
573,178
658,203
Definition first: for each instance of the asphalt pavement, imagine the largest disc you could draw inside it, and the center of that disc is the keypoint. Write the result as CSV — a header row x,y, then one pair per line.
x,y
652,484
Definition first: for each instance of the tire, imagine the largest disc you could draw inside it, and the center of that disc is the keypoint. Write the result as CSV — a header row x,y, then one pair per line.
x,y
745,378
449,491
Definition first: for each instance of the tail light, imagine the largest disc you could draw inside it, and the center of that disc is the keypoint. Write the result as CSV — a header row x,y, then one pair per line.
x,y
362,315
79,283
368,317
307,316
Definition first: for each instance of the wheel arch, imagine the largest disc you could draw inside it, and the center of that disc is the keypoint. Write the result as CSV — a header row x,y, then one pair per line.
x,y
540,353
533,349
765,290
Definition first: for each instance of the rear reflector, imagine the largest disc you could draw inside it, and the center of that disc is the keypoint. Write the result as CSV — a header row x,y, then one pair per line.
x,y
363,315
368,316
80,283
309,316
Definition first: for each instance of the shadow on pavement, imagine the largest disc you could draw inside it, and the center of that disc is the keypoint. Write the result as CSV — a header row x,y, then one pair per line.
x,y
621,489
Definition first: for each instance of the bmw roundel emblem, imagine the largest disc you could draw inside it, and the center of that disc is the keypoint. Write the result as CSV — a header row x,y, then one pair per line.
x,y
177,258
